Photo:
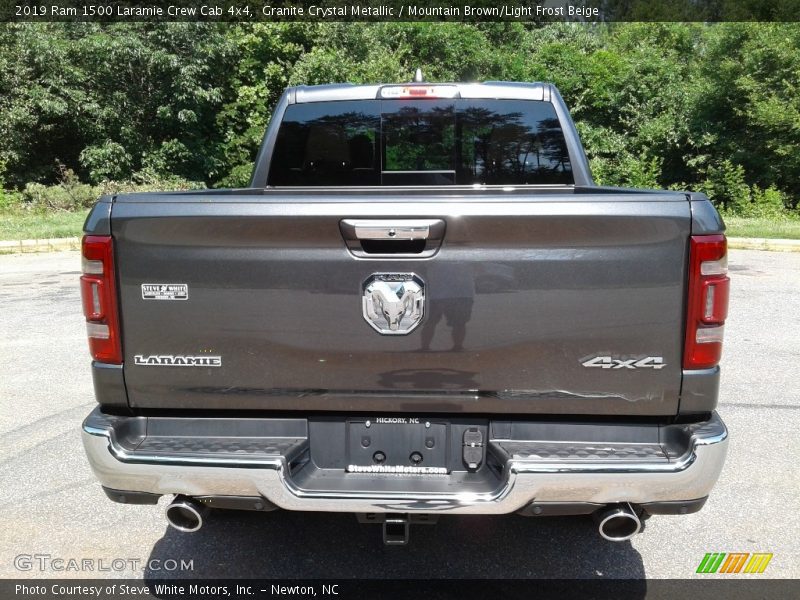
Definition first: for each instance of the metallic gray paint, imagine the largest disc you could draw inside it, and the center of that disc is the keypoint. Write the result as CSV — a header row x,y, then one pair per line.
x,y
580,164
533,278
109,385
276,293
264,156
700,391
98,221
705,218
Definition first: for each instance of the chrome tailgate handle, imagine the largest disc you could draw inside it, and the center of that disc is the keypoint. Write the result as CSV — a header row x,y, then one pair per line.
x,y
372,229
411,238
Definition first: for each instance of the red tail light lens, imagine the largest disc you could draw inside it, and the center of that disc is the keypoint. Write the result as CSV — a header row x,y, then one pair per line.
x,y
99,294
707,306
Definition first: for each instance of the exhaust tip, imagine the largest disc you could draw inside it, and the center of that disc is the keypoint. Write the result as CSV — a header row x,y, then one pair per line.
x,y
185,514
618,523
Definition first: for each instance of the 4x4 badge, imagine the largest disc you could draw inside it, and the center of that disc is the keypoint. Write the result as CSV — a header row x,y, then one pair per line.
x,y
393,303
609,362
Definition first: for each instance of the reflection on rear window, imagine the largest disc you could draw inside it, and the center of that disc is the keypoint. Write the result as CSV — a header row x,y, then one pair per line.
x,y
420,142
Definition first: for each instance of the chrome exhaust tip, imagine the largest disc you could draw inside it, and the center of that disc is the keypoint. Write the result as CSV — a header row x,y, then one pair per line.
x,y
617,522
186,514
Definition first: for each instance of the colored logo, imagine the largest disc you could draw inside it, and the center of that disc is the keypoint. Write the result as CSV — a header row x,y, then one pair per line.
x,y
734,562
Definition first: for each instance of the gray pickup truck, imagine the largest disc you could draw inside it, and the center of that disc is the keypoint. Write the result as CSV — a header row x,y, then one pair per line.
x,y
422,305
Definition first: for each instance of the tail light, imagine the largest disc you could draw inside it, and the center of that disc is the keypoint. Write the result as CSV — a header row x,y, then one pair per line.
x,y
707,305
99,294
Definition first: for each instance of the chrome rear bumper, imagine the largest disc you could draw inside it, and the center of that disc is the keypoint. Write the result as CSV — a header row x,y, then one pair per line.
x,y
520,477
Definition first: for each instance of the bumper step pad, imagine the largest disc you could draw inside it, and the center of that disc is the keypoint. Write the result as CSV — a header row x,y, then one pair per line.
x,y
582,452
251,447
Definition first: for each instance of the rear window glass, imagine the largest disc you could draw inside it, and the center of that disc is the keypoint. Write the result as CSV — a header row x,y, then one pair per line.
x,y
420,142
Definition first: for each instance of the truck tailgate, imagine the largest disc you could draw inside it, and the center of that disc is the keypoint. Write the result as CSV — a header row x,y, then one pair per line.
x,y
521,296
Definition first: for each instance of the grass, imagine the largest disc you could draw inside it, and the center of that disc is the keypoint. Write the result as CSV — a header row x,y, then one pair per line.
x,y
763,228
16,225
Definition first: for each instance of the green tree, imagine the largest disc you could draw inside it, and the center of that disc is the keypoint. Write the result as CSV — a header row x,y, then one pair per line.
x,y
111,100
679,105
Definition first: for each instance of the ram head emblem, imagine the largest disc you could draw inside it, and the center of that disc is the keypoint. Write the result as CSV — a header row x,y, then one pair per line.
x,y
393,303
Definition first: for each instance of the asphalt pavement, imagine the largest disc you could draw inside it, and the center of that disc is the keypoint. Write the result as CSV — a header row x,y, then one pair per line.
x,y
54,509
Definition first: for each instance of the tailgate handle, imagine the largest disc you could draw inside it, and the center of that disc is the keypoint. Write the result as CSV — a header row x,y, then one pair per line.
x,y
392,230
409,238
